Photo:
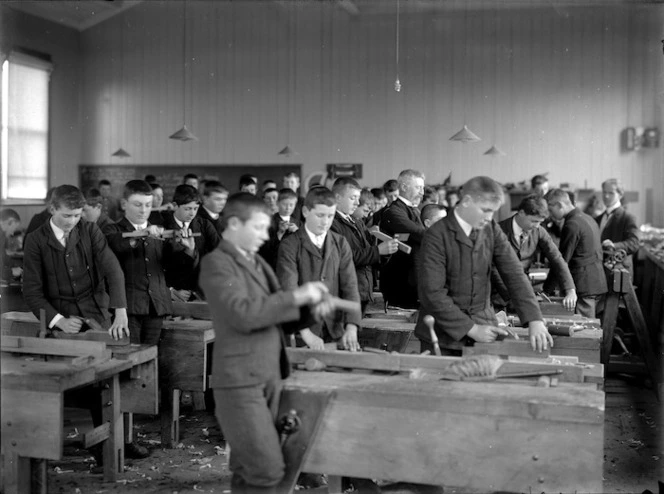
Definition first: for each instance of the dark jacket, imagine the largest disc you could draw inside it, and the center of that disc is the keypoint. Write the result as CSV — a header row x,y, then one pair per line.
x,y
581,248
300,261
45,277
453,281
203,214
365,253
622,230
270,249
538,242
181,269
398,278
38,220
247,307
142,261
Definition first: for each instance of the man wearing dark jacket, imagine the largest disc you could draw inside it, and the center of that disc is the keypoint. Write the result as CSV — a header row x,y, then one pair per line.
x,y
581,249
398,280
366,255
454,275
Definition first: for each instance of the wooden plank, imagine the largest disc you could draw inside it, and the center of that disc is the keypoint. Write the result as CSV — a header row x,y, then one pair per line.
x,y
32,423
96,435
419,363
140,393
188,330
387,324
67,348
16,474
42,376
429,447
136,354
111,414
195,310
506,347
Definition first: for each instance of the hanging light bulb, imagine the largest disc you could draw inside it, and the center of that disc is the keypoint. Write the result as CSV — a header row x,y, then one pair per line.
x,y
397,85
465,135
494,151
184,134
121,153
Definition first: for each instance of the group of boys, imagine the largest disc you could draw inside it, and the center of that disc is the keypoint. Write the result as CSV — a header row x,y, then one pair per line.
x,y
76,270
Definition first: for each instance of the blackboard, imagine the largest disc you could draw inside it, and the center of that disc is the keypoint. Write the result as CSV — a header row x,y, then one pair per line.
x,y
170,176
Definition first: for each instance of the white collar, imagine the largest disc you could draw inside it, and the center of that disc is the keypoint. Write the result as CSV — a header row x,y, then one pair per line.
x,y
214,216
517,229
318,240
139,227
181,224
285,218
57,231
347,217
465,226
613,208
406,202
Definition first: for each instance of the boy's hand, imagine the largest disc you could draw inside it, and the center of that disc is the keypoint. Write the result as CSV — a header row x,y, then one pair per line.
x,y
322,309
17,271
569,302
486,334
180,295
70,324
120,324
312,341
388,247
310,293
186,240
349,339
539,335
283,226
155,230
292,227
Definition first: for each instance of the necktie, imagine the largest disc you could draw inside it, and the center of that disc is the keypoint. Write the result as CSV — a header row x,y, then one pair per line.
x,y
473,236
603,222
65,239
522,238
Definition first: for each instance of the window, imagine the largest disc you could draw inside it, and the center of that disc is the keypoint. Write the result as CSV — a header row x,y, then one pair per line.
x,y
25,100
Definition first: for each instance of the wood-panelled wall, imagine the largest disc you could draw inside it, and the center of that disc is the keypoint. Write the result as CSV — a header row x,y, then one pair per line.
x,y
552,88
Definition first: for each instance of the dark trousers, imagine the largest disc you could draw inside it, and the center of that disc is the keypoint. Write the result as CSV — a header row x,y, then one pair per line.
x,y
247,417
586,306
145,329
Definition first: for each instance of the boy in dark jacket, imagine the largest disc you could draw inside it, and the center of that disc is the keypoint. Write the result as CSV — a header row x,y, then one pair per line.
x,y
313,253
366,255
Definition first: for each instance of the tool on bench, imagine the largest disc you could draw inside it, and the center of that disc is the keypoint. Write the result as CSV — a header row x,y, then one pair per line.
x,y
613,258
288,424
429,321
344,305
405,248
485,368
166,234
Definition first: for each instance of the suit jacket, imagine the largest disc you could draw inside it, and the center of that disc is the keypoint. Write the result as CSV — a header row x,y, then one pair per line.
x,y
247,306
181,269
203,214
398,278
38,220
538,241
454,281
270,249
581,248
142,261
622,230
365,253
45,280
300,261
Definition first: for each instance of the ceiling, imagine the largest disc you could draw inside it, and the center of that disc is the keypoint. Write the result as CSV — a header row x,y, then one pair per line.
x,y
83,14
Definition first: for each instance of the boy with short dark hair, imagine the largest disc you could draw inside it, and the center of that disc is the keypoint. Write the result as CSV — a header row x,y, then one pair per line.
x,y
191,179
248,184
43,216
315,253
10,223
271,198
111,206
141,259
248,306
182,256
366,255
432,213
283,222
92,209
215,196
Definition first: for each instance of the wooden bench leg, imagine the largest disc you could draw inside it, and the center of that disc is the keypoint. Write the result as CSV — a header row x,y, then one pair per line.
x,y
128,427
111,414
334,485
170,417
39,476
16,473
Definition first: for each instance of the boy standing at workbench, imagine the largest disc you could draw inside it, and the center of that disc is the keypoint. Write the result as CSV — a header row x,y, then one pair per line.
x,y
247,307
141,258
313,253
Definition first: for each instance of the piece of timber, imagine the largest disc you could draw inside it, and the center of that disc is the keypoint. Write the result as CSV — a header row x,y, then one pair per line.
x,y
520,348
391,334
191,310
32,411
165,234
481,436
399,315
54,347
185,356
584,343
394,362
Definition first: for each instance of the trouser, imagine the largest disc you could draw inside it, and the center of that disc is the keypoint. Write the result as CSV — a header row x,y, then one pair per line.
x,y
145,329
586,306
247,417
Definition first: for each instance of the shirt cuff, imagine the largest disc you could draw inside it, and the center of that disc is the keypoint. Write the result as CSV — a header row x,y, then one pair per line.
x,y
55,320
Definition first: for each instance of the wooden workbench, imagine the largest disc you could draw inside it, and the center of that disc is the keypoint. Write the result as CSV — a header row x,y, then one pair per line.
x,y
36,373
485,436
185,360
